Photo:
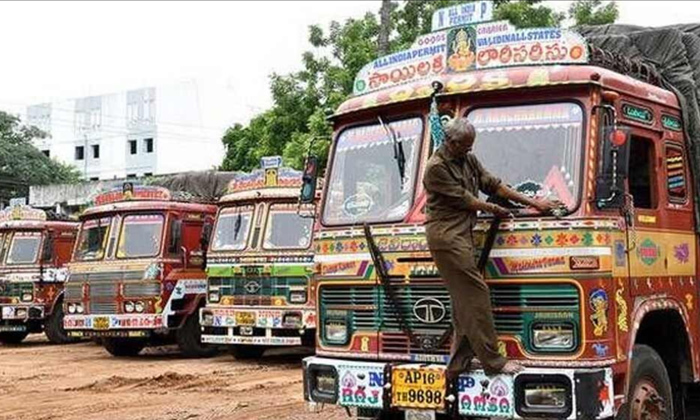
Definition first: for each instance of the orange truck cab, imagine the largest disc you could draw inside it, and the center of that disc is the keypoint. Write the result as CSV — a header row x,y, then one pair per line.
x,y
137,273
33,255
599,301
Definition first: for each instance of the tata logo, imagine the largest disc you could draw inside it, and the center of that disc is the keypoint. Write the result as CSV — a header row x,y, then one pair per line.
x,y
429,310
252,287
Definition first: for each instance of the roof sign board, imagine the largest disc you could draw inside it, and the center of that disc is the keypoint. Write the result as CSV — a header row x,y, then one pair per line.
x,y
18,201
462,14
466,48
129,191
269,162
21,212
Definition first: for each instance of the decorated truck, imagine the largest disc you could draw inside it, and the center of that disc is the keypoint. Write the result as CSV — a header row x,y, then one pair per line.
x,y
33,253
260,263
599,301
137,272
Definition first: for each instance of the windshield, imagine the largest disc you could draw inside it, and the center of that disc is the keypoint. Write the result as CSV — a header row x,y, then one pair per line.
x,y
286,229
534,148
24,248
365,185
93,238
140,236
232,227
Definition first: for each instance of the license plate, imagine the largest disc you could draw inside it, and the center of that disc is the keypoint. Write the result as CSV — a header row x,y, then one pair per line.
x,y
418,387
245,319
100,323
13,328
420,415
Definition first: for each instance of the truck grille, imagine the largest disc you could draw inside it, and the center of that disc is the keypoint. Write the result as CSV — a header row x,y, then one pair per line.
x,y
100,308
12,289
73,292
255,290
369,309
103,290
141,289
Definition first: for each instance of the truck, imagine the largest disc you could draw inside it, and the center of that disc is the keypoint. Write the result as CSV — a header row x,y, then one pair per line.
x,y
136,276
598,301
34,250
260,263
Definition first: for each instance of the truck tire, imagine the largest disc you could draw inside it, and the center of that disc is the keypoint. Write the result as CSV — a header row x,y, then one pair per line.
x,y
189,339
247,352
650,394
123,347
13,337
53,328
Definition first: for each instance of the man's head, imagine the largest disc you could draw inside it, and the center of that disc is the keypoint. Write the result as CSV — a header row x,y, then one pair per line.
x,y
459,136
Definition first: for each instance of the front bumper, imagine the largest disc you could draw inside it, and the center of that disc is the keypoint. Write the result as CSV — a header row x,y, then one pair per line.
x,y
22,312
586,393
263,325
122,325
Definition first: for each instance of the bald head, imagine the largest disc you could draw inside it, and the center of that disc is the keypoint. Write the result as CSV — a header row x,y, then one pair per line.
x,y
459,136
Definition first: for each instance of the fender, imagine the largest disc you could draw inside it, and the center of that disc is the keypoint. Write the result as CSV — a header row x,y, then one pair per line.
x,y
645,307
193,298
59,297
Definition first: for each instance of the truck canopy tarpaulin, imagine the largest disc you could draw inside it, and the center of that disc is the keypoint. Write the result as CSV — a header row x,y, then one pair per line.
x,y
675,53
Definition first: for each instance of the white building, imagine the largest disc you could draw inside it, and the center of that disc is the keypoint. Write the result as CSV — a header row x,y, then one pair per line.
x,y
136,133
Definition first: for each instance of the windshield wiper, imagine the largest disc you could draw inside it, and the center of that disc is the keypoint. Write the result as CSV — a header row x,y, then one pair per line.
x,y
399,155
237,225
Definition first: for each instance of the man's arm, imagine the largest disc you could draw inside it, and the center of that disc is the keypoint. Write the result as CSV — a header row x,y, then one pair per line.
x,y
543,206
438,180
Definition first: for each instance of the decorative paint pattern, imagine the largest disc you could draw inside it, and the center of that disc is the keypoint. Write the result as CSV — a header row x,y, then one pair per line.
x,y
481,395
622,310
598,300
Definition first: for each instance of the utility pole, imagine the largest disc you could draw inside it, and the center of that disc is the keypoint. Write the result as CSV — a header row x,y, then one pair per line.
x,y
384,27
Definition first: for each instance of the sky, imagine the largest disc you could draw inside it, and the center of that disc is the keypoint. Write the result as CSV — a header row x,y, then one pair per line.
x,y
58,50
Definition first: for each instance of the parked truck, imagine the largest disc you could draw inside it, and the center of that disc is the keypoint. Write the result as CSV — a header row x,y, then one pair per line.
x,y
259,265
137,272
33,253
599,301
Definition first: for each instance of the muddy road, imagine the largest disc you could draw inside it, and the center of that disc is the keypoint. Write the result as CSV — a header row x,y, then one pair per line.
x,y
40,381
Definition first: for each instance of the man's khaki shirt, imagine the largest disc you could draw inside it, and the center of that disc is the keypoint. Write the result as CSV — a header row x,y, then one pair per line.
x,y
453,185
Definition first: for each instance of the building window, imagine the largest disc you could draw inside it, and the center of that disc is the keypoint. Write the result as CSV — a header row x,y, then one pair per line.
x,y
95,151
148,174
79,152
46,153
130,176
132,147
95,178
148,145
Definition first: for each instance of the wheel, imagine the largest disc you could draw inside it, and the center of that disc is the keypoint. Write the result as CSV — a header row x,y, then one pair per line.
x,y
13,337
189,339
53,328
245,352
650,396
123,347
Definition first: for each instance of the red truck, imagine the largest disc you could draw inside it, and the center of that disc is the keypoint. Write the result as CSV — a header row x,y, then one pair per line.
x,y
137,273
33,254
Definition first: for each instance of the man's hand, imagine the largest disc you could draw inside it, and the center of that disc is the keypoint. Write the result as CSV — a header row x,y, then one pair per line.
x,y
499,211
546,206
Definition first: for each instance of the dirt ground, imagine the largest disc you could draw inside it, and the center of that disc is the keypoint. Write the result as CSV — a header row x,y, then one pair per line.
x,y
40,381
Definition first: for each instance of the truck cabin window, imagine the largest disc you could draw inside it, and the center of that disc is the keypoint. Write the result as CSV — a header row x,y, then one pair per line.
x,y
24,248
140,236
365,181
286,229
232,228
534,148
641,171
93,239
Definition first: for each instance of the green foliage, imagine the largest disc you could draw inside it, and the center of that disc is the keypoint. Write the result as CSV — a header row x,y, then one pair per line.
x,y
22,164
302,100
593,12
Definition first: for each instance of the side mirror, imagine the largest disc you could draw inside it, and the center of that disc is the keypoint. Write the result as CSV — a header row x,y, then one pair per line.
x,y
205,237
309,180
175,236
47,251
614,167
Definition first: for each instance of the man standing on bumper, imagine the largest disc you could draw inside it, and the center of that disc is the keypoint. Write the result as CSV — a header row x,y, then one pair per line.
x,y
453,179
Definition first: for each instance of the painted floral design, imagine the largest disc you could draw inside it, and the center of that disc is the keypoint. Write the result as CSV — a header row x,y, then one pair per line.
x,y
682,253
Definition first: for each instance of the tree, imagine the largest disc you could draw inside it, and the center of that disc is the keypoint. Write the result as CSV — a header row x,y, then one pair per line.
x,y
593,12
22,164
302,100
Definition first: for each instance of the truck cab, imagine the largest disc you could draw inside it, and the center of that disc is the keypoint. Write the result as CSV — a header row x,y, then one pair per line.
x,y
259,265
597,301
137,271
33,253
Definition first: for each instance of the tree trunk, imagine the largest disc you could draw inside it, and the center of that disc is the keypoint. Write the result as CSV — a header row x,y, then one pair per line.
x,y
384,27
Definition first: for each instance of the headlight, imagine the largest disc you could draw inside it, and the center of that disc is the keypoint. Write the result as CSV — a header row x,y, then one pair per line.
x,y
323,383
79,308
21,312
336,331
139,306
207,319
292,320
71,308
297,296
214,297
553,336
129,307
27,297
543,396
